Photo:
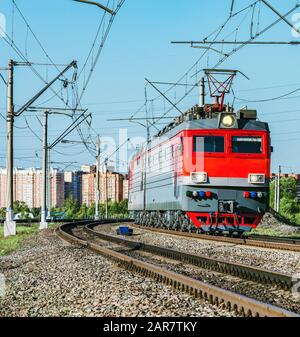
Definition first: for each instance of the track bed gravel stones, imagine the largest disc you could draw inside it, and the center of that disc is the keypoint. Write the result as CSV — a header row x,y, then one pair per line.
x,y
49,278
279,261
282,229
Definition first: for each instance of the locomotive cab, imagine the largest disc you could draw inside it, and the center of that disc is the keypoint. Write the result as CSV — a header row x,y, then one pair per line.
x,y
226,172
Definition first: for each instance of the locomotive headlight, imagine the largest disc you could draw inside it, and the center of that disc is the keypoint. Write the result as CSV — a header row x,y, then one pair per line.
x,y
228,121
256,178
199,177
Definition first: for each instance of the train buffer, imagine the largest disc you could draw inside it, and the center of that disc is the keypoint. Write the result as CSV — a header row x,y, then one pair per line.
x,y
124,230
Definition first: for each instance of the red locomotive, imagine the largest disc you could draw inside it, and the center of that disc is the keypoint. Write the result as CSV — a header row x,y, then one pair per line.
x,y
207,171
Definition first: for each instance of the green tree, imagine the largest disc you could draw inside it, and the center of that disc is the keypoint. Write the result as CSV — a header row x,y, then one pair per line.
x,y
20,207
36,212
297,218
113,208
272,194
290,208
288,188
2,213
71,207
102,209
83,212
289,204
91,211
124,206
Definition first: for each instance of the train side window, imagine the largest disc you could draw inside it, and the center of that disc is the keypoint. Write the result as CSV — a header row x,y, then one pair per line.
x,y
172,151
160,157
180,146
214,144
246,144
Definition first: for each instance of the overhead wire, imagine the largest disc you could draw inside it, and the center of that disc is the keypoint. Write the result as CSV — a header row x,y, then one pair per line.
x,y
32,131
68,154
269,99
8,40
94,43
217,32
103,40
30,64
34,35
257,34
237,98
105,34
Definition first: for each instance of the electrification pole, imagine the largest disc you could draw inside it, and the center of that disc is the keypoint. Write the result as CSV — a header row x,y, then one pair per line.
x,y
106,190
278,191
275,192
43,223
48,186
10,224
97,201
145,161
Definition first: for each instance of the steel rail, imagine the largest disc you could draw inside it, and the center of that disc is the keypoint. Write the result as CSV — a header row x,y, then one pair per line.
x,y
279,239
214,295
255,274
276,243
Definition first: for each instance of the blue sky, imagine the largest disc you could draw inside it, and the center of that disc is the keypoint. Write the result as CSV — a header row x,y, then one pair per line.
x,y
139,47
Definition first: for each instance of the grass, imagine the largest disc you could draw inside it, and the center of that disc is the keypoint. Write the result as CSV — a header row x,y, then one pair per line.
x,y
13,243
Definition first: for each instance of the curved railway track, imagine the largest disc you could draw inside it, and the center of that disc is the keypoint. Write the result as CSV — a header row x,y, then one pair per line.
x,y
243,305
271,242
255,274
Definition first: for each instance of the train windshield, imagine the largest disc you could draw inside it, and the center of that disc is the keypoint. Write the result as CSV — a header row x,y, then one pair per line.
x,y
213,144
241,144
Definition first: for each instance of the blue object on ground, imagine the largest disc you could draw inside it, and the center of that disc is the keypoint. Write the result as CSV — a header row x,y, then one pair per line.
x,y
124,230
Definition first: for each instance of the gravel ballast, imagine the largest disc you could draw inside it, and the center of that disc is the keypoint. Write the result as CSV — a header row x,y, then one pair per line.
x,y
50,278
265,292
279,261
269,222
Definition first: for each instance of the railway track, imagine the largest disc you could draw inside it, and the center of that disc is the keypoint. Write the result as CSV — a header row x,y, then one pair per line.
x,y
276,239
231,301
255,274
271,242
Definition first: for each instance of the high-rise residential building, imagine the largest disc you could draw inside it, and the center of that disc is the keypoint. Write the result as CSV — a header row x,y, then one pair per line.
x,y
125,187
114,186
57,188
73,185
2,188
88,189
89,168
27,187
117,185
93,168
